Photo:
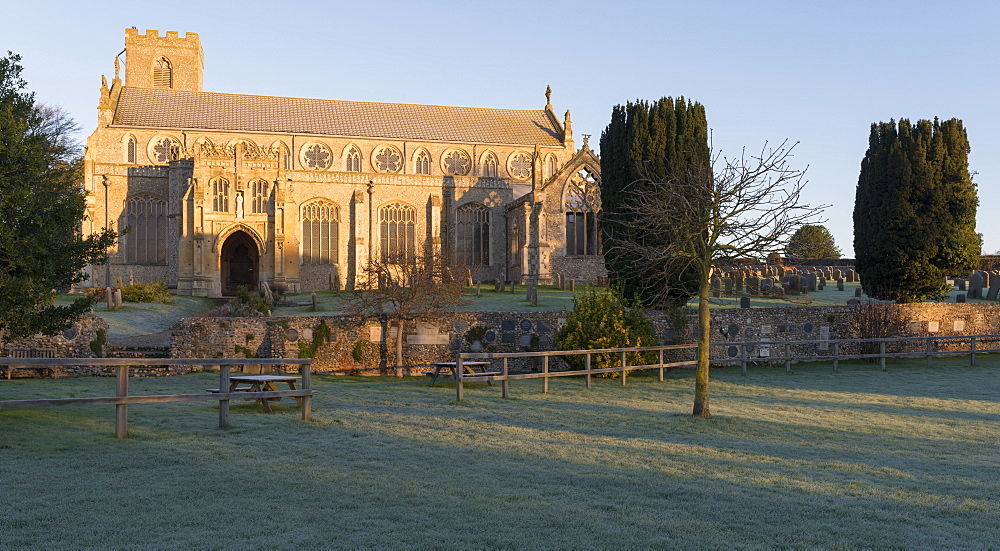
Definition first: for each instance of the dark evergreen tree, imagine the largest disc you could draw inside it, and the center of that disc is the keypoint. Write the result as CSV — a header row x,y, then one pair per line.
x,y
812,241
41,209
915,210
647,142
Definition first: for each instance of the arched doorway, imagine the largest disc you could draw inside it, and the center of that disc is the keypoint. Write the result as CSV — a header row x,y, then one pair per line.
x,y
240,263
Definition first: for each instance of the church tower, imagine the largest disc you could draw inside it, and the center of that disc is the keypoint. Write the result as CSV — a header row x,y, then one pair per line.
x,y
169,62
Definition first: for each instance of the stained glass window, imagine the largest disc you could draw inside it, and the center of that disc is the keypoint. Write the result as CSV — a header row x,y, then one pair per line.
x,y
397,229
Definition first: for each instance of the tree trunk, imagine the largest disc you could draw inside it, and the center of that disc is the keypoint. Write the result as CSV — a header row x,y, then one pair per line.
x,y
704,348
399,348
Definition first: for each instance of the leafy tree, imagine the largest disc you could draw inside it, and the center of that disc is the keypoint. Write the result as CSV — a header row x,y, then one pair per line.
x,y
646,141
603,318
812,241
41,209
716,213
403,289
915,210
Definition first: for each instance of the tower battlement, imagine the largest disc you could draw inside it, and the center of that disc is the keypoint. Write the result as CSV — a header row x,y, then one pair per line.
x,y
170,61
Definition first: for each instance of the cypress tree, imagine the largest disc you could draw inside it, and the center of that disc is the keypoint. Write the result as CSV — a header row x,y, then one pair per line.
x,y
649,141
915,210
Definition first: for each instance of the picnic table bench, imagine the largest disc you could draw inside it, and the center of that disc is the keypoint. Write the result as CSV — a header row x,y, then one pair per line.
x,y
470,368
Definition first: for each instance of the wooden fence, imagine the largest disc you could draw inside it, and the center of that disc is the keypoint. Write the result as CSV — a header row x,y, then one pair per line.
x,y
833,350
588,372
121,399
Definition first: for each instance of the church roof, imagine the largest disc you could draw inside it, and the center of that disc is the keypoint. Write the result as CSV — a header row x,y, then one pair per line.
x,y
184,110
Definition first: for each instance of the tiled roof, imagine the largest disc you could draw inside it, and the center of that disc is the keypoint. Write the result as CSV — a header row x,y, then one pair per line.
x,y
177,109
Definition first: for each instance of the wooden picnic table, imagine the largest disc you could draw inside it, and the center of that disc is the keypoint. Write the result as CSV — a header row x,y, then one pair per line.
x,y
260,383
470,367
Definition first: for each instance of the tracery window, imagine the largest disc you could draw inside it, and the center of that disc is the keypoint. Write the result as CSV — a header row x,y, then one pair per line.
x,y
146,240
456,163
353,160
220,195
423,163
164,150
490,166
583,207
320,232
397,229
162,74
473,235
387,159
520,166
258,195
130,151
316,157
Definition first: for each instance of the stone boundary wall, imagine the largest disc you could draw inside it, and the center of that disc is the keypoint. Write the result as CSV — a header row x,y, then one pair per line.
x,y
438,337
72,342
433,338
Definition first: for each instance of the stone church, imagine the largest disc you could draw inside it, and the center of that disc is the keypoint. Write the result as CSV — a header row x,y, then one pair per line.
x,y
222,190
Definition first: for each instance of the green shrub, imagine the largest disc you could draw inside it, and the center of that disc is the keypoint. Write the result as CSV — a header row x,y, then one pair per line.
x,y
97,345
602,318
154,291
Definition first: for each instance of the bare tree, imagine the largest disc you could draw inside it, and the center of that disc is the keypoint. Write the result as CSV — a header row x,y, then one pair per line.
x,y
404,289
61,129
732,208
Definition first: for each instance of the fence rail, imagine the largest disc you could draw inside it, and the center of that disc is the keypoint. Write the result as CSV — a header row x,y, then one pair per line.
x,y
932,347
122,399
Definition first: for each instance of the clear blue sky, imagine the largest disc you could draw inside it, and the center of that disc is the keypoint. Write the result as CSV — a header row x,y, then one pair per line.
x,y
814,72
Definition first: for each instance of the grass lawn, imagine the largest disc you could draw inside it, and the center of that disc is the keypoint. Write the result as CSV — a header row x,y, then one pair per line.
x,y
142,318
905,458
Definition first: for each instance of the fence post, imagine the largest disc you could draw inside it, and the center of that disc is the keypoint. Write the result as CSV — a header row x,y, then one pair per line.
x,y
881,354
459,385
930,345
224,389
588,370
743,359
545,372
972,351
623,369
505,384
836,358
788,358
121,410
661,365
306,372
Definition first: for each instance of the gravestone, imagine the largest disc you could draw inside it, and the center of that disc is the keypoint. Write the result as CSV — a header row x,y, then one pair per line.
x,y
512,287
975,285
837,274
728,285
738,282
960,297
992,293
840,284
857,291
766,285
810,283
498,286
716,287
853,302
960,283
753,285
852,276
572,285
315,302
744,302
479,288
118,298
109,296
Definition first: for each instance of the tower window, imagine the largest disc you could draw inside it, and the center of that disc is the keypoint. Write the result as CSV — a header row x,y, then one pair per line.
x,y
162,74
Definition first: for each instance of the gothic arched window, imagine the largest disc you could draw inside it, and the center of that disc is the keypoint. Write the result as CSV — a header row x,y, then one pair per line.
x,y
490,164
162,74
130,151
423,163
583,208
320,232
353,160
258,195
397,229
473,235
550,166
220,195
146,240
